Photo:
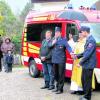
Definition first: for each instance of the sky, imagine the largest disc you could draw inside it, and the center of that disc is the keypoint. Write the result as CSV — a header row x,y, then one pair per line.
x,y
17,5
85,3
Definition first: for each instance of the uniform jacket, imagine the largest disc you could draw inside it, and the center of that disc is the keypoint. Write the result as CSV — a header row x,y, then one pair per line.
x,y
88,60
45,51
59,51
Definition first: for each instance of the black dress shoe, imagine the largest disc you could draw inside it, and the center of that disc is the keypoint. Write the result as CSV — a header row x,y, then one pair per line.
x,y
56,90
82,98
59,92
44,87
74,92
51,88
80,93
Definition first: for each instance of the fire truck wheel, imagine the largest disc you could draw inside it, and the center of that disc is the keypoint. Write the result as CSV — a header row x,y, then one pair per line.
x,y
33,71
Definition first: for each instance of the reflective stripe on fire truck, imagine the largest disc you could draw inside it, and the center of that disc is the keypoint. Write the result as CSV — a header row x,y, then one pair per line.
x,y
33,47
25,53
25,39
68,66
24,44
37,60
40,18
25,30
24,58
33,51
24,48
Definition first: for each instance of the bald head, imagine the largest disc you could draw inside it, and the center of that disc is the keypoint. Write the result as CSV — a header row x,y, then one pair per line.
x,y
48,34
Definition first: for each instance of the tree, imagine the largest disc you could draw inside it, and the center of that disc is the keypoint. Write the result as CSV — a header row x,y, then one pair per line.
x,y
10,25
16,39
7,18
25,11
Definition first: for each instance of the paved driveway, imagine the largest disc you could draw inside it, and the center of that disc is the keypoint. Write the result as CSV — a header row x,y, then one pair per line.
x,y
18,85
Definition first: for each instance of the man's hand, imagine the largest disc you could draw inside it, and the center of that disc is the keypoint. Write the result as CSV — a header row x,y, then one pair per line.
x,y
54,41
43,58
73,56
78,65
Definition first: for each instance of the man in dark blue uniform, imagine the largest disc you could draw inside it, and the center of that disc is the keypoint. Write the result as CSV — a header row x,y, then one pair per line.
x,y
59,45
88,62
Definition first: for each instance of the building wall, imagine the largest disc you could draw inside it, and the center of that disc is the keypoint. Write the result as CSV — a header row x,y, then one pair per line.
x,y
50,6
98,5
39,1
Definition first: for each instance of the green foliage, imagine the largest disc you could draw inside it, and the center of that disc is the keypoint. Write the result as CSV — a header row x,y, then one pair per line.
x,y
7,18
16,39
98,44
11,25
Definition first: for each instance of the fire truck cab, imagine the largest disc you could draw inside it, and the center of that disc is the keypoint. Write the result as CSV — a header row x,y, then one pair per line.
x,y
37,23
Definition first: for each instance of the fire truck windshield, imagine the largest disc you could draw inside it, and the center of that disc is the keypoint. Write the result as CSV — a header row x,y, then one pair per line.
x,y
36,32
95,30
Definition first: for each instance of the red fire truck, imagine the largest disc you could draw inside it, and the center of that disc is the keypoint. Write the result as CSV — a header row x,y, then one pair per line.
x,y
70,21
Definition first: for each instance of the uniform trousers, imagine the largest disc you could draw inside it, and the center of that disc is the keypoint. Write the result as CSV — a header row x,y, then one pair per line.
x,y
87,82
59,71
9,67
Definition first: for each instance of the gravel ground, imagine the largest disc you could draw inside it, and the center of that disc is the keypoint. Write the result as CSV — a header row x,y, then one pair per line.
x,y
18,85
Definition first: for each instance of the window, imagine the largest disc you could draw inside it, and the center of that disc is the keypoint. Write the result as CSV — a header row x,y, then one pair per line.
x,y
36,32
72,29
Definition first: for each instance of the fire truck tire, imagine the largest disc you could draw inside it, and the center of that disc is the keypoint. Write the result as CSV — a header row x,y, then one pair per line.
x,y
33,71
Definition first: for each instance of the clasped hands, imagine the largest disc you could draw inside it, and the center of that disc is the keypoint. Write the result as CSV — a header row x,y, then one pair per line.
x,y
74,56
43,58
